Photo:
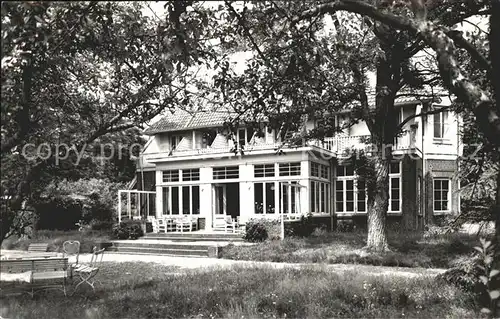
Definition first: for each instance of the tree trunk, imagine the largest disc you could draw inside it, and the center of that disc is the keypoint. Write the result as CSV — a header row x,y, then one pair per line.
x,y
378,203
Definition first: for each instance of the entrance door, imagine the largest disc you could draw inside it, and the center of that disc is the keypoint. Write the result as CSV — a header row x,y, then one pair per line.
x,y
220,202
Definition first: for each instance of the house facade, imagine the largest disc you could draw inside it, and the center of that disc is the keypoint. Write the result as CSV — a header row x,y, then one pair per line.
x,y
196,168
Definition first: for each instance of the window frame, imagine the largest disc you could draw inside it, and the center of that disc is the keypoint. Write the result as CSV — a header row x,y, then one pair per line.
x,y
264,170
289,169
400,187
448,194
264,198
319,195
173,174
192,174
444,125
225,172
175,138
180,200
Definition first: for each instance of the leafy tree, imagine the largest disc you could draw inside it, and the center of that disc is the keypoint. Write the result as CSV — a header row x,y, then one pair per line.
x,y
295,72
75,72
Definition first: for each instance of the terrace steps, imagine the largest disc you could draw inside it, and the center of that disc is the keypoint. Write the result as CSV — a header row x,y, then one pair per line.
x,y
194,236
176,244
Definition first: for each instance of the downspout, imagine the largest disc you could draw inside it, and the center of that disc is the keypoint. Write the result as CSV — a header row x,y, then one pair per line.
x,y
424,180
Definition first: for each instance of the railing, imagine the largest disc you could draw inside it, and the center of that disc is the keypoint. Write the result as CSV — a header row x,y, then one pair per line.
x,y
336,145
340,144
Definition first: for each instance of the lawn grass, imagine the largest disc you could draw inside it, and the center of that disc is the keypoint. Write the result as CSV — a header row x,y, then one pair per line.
x,y
55,238
144,290
407,250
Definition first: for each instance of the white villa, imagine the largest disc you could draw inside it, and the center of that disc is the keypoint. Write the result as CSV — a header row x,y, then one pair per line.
x,y
188,168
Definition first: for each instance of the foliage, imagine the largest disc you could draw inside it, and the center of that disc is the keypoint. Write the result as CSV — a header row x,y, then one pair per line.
x,y
294,74
488,277
151,290
408,250
79,75
255,231
56,238
303,228
99,196
130,229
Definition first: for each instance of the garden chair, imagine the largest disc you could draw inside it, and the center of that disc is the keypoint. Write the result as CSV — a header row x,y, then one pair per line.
x,y
72,248
185,223
86,273
162,225
170,225
225,223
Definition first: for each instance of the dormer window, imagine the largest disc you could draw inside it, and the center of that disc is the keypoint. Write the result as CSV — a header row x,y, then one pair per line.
x,y
208,137
174,141
244,136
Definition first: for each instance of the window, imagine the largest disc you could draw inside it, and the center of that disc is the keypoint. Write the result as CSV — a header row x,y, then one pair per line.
x,y
350,190
349,195
175,200
264,170
166,201
347,170
170,176
319,197
394,195
289,169
191,174
339,196
394,168
395,187
441,124
319,170
244,136
264,198
227,172
187,204
207,138
441,195
174,141
289,197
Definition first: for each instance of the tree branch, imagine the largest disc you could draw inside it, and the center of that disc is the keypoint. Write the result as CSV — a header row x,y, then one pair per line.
x,y
411,117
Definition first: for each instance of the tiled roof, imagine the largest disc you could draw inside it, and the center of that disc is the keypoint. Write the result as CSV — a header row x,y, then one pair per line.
x,y
183,120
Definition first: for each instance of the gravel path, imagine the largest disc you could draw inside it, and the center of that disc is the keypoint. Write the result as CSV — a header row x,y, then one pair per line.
x,y
207,264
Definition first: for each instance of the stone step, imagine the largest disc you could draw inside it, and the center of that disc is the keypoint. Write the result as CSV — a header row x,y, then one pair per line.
x,y
185,239
161,251
195,237
143,244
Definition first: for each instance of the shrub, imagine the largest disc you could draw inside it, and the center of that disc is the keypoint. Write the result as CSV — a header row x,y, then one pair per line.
x,y
84,199
345,226
255,231
131,229
303,228
58,213
101,224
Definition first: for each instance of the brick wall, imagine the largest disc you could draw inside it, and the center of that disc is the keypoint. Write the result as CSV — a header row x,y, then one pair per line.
x,y
440,169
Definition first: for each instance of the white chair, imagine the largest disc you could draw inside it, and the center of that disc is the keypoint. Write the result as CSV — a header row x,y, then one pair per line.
x,y
170,224
87,273
225,223
161,225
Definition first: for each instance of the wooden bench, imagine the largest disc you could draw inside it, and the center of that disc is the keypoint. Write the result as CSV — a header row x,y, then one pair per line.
x,y
38,247
34,273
